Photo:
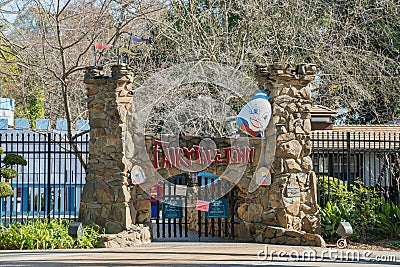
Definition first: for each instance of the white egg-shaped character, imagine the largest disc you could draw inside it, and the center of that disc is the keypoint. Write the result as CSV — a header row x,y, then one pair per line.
x,y
254,117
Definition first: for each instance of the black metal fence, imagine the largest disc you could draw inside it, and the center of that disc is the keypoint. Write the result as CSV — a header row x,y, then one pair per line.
x,y
50,185
345,157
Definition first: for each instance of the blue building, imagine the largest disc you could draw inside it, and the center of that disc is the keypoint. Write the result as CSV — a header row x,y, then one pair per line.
x,y
52,181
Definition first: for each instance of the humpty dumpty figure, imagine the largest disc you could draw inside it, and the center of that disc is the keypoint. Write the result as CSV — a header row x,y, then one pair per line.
x,y
254,117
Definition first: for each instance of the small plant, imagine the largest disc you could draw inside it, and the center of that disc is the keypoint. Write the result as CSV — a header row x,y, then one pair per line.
x,y
7,172
45,234
388,220
331,215
89,239
395,243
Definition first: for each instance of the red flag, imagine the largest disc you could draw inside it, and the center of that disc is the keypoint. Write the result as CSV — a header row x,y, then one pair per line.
x,y
101,46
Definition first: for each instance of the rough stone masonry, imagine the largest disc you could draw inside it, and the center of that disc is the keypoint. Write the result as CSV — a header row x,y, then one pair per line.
x,y
284,212
107,199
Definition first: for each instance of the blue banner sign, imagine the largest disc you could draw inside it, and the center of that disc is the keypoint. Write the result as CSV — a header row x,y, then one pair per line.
x,y
172,209
218,209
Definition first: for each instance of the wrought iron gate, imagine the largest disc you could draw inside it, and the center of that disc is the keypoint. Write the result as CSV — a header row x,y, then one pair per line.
x,y
175,216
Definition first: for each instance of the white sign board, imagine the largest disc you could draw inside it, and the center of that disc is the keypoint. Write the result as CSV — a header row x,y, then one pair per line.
x,y
293,191
180,190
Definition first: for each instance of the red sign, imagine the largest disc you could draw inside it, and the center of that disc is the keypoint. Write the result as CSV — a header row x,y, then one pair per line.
x,y
166,156
156,191
202,205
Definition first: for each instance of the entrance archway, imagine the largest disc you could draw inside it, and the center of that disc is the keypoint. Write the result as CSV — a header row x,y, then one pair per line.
x,y
284,211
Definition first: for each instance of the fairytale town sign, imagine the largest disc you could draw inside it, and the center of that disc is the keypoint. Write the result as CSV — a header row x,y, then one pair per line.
x,y
167,156
227,157
252,120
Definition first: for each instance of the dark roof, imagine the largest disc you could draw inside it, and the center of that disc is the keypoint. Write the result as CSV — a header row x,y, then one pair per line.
x,y
374,128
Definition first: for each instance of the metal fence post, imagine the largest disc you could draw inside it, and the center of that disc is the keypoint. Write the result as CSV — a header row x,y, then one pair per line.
x,y
348,161
48,186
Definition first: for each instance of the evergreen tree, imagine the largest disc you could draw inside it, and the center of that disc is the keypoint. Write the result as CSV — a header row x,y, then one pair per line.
x,y
7,172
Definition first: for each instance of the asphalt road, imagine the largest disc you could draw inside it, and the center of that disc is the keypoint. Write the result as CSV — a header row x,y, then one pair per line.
x,y
201,254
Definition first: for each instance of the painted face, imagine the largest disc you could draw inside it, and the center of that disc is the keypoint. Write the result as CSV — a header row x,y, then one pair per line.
x,y
254,116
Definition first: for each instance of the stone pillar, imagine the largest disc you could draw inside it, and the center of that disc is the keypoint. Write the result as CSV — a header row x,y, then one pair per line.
x,y
108,200
291,198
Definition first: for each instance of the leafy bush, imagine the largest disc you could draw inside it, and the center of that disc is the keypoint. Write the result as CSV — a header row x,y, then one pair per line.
x,y
45,234
367,201
358,206
334,190
389,220
395,243
7,172
6,190
331,216
89,239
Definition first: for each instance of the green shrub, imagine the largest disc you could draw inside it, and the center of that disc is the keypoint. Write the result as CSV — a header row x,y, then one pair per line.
x,y
395,243
7,172
334,190
331,215
388,220
6,190
358,206
45,234
89,239
367,201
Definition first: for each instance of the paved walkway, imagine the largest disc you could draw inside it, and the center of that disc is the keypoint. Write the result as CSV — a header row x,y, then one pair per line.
x,y
199,254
